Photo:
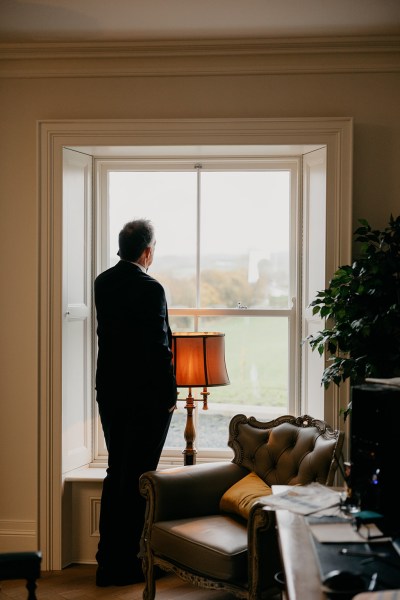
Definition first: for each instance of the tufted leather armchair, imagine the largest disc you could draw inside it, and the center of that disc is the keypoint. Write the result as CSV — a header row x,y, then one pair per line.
x,y
185,530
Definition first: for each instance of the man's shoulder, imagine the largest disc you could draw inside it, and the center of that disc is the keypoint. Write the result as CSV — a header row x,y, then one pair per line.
x,y
106,274
119,269
124,270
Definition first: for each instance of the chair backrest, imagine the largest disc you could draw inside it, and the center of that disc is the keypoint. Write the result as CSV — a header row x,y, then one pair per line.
x,y
288,450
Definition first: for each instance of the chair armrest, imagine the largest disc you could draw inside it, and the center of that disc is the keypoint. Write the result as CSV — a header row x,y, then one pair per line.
x,y
192,490
263,550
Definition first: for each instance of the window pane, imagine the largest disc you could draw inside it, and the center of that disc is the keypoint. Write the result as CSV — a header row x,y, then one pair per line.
x,y
244,257
245,239
168,199
185,323
256,354
175,438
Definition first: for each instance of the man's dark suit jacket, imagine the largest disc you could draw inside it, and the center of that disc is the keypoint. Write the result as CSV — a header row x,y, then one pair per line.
x,y
134,360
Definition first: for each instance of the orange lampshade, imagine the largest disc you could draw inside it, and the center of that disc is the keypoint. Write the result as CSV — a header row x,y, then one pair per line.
x,y
199,359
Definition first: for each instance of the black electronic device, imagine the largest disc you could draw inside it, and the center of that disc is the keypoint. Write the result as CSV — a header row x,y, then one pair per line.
x,y
344,582
375,451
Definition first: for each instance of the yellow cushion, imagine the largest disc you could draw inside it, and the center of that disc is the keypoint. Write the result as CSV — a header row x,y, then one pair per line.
x,y
241,496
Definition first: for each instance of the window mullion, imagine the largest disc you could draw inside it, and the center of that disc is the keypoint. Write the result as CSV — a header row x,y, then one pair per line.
x,y
198,237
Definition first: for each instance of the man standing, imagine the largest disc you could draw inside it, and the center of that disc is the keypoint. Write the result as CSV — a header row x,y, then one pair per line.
x,y
136,395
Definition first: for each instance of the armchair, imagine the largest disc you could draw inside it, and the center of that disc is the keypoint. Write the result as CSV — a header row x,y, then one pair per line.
x,y
189,531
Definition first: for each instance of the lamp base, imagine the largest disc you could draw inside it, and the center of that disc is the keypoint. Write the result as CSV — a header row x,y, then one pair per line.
x,y
189,458
189,453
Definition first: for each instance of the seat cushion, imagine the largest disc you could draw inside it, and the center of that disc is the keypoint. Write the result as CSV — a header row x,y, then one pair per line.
x,y
215,546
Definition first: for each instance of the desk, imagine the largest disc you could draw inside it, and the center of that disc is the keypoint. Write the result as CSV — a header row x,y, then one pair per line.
x,y
301,563
298,559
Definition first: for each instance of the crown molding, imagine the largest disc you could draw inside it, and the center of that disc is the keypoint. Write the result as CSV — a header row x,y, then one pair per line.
x,y
201,57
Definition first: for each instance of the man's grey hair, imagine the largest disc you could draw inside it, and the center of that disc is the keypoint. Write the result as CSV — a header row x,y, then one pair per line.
x,y
135,237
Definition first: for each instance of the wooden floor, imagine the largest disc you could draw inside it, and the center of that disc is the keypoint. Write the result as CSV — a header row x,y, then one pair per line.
x,y
77,582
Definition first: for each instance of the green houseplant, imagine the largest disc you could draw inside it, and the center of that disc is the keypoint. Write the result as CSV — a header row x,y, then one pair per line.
x,y
361,308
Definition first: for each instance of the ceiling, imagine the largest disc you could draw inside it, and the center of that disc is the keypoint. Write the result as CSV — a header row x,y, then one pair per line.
x,y
147,20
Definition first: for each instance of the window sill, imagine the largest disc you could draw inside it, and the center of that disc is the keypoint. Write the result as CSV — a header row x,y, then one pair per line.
x,y
97,472
86,473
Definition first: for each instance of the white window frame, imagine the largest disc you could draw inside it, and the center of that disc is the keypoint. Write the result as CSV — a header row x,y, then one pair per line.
x,y
102,169
115,135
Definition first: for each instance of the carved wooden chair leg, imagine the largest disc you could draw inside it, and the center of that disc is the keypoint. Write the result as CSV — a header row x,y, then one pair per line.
x,y
149,591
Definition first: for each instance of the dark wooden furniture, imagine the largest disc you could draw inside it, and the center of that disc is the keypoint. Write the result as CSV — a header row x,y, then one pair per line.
x,y
305,562
21,565
302,576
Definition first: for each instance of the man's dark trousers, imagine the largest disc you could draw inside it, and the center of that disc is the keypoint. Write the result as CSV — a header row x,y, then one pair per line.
x,y
134,438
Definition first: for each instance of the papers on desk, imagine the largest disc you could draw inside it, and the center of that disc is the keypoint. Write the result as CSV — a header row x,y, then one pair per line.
x,y
304,499
344,533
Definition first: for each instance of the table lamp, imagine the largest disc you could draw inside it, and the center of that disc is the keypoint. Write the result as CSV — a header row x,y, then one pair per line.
x,y
199,361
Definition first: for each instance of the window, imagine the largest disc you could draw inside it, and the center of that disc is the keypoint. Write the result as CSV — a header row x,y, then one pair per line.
x,y
324,148
227,254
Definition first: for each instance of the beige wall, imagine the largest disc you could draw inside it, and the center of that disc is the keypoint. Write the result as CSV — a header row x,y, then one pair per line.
x,y
372,98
